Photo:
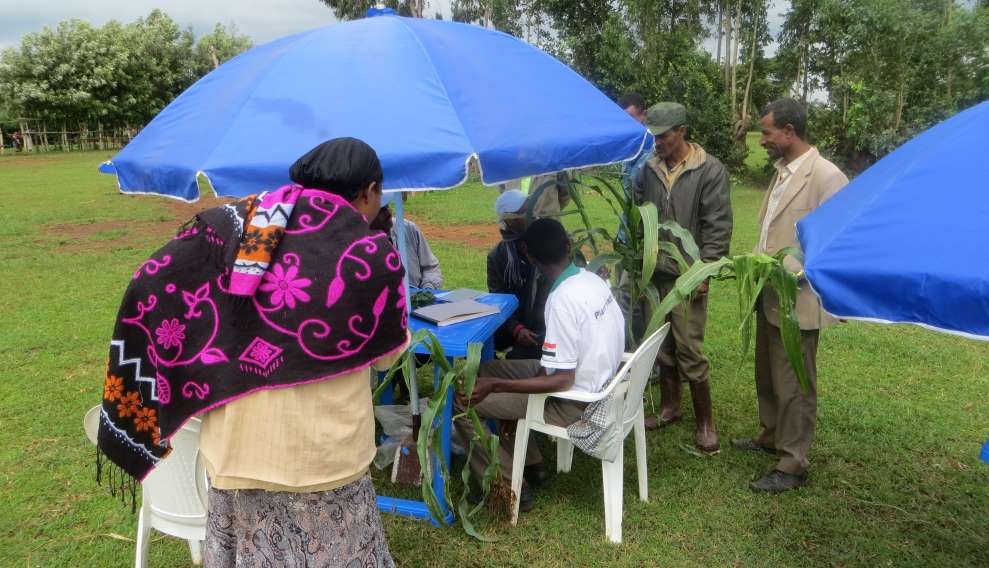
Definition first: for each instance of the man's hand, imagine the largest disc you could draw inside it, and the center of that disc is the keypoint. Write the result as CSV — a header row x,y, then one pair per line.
x,y
702,289
526,338
482,388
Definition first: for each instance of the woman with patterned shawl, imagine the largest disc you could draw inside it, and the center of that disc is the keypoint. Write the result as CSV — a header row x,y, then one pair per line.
x,y
265,317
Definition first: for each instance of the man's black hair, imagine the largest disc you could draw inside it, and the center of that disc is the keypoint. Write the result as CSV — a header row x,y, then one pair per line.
x,y
547,241
788,111
632,99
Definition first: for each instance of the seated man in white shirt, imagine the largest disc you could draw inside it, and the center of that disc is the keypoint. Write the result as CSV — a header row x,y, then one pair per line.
x,y
585,338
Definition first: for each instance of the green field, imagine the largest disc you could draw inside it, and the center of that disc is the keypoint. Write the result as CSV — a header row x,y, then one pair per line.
x,y
895,479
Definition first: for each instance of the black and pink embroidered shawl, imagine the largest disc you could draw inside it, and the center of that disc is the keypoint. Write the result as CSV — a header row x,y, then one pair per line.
x,y
329,302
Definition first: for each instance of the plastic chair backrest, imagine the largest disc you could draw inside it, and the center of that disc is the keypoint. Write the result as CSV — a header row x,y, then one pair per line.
x,y
174,488
91,423
639,367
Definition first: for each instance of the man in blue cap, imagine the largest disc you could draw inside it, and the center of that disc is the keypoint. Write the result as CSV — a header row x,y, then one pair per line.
x,y
689,187
635,106
510,272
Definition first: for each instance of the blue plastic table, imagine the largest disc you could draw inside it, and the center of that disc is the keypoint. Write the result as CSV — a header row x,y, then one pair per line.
x,y
454,339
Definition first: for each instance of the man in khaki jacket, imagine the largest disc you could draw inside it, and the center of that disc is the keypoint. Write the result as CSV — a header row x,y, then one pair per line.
x,y
804,180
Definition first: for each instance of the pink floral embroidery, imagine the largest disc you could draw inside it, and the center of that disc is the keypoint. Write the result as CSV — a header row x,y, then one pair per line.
x,y
261,352
285,288
170,333
261,357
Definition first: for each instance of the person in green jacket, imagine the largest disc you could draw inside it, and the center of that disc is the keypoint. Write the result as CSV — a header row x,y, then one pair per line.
x,y
692,188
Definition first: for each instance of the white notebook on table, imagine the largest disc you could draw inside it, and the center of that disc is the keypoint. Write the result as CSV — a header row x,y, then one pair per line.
x,y
454,312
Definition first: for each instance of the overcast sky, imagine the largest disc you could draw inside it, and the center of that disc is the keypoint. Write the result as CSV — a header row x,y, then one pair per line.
x,y
262,20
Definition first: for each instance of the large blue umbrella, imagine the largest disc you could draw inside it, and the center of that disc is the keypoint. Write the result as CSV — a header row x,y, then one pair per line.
x,y
908,240
428,95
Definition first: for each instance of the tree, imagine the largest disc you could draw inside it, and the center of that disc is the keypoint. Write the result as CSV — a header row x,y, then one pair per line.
x,y
355,9
503,15
114,76
219,46
888,68
649,47
159,65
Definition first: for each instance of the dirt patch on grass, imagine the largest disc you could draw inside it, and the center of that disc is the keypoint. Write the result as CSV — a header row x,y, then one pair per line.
x,y
84,238
482,236
184,211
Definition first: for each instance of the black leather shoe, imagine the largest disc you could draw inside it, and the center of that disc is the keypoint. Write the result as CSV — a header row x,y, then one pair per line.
x,y
750,445
535,475
527,500
777,481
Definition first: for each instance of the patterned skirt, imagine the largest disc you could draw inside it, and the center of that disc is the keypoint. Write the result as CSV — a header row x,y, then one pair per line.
x,y
255,528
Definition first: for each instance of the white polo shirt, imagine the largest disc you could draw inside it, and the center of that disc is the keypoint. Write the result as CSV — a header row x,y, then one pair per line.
x,y
585,329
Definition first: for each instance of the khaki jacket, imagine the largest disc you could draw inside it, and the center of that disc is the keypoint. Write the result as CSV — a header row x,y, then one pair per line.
x,y
813,183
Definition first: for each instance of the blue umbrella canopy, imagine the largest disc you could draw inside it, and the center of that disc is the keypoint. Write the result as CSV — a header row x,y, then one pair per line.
x,y
907,241
428,95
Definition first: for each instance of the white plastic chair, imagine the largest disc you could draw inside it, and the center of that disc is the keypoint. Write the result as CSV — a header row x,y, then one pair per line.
x,y
627,387
173,495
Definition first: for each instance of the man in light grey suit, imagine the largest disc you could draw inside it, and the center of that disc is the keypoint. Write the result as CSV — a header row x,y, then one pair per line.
x,y
804,180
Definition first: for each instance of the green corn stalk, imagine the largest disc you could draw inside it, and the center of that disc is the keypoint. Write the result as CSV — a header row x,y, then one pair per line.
x,y
636,258
587,220
429,442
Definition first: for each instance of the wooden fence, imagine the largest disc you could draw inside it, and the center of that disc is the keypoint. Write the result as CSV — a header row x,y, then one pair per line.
x,y
40,137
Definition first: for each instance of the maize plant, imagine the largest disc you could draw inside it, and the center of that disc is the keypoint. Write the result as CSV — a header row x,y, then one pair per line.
x,y
458,378
635,251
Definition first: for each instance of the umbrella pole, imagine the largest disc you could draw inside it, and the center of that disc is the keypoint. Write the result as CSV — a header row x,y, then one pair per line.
x,y
410,369
400,231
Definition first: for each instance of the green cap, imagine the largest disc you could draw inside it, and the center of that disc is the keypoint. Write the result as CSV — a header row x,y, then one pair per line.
x,y
663,116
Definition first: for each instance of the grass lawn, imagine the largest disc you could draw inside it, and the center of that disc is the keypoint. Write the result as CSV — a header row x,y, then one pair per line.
x,y
895,479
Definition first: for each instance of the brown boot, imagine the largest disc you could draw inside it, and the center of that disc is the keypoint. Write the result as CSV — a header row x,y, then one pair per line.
x,y
670,395
705,435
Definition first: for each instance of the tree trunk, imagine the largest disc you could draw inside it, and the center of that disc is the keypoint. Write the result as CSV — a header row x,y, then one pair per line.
x,y
728,27
721,10
900,100
44,136
99,131
798,81
212,55
844,110
806,77
1,140
743,123
949,10
65,139
734,59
